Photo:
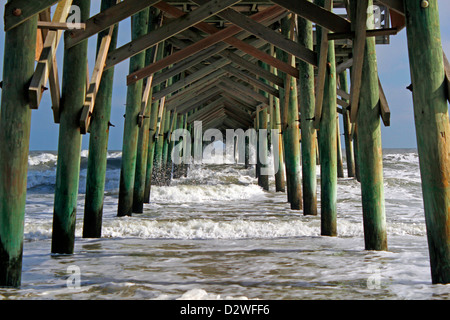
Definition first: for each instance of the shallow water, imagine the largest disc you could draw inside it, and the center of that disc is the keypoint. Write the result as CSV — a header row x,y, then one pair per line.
x,y
216,235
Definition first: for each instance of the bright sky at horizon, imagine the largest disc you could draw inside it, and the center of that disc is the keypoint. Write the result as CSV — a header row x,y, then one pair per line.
x,y
393,65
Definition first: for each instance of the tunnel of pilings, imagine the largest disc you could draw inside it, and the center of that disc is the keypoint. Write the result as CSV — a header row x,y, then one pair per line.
x,y
284,72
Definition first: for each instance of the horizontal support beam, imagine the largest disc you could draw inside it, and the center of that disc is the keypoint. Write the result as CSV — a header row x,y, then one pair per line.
x,y
205,110
395,5
369,33
190,79
198,101
217,36
248,91
60,25
255,82
19,11
253,68
271,36
107,18
169,30
344,66
321,16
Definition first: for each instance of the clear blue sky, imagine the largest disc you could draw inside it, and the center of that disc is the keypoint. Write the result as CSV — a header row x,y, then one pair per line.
x,y
393,67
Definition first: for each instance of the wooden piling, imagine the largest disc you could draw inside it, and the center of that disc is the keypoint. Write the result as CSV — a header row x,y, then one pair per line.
x,y
15,121
280,177
370,149
176,171
131,128
152,133
340,164
170,144
309,133
98,144
327,143
263,143
347,128
432,129
159,147
290,124
144,129
69,146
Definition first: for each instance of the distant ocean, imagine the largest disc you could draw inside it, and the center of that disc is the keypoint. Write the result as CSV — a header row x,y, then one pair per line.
x,y
216,235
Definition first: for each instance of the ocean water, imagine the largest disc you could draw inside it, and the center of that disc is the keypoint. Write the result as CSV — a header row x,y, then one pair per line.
x,y
216,235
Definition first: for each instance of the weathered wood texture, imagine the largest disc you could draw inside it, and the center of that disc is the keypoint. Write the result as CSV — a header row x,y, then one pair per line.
x,y
432,130
69,145
309,133
131,128
15,122
98,143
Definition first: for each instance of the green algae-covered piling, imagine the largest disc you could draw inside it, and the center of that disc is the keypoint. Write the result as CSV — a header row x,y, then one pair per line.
x,y
18,68
309,134
370,150
69,145
432,129
131,128
145,121
98,144
347,128
290,125
327,142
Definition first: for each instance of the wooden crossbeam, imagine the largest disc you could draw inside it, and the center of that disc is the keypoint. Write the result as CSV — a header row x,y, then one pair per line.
x,y
195,88
218,36
238,121
191,78
323,59
253,68
343,94
149,82
19,11
197,101
59,25
162,104
369,33
238,113
321,16
107,18
395,5
205,54
267,34
88,107
250,101
195,94
213,105
147,90
447,75
174,27
183,65
236,100
344,65
359,44
46,66
255,82
384,106
245,90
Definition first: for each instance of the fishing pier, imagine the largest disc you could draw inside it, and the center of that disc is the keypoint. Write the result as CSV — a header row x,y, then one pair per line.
x,y
294,67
